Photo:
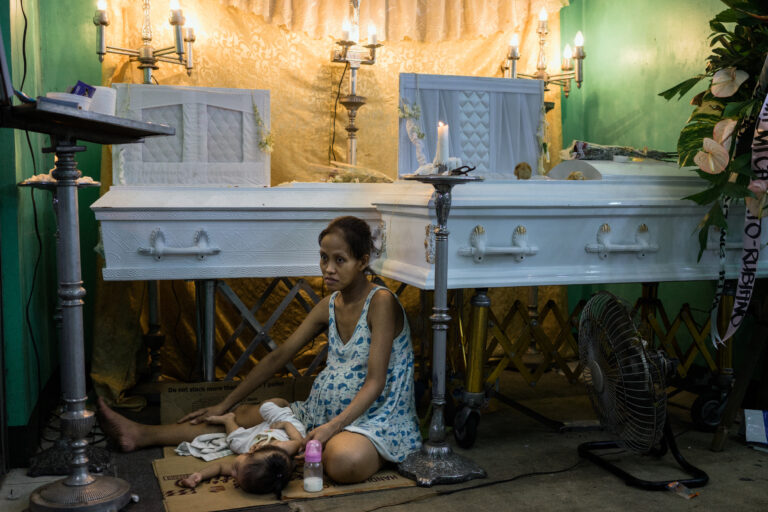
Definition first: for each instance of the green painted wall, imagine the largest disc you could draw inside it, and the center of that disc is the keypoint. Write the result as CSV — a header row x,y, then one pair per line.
x,y
634,51
59,50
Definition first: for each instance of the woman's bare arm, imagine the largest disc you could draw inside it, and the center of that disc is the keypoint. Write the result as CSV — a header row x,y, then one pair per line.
x,y
315,322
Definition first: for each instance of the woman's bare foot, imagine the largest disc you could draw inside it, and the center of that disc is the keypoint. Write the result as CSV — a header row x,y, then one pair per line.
x,y
117,427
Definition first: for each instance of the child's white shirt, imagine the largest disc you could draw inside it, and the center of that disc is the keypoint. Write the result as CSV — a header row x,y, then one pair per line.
x,y
242,439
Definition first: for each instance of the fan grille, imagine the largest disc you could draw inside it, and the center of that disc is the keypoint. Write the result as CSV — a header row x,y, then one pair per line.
x,y
625,385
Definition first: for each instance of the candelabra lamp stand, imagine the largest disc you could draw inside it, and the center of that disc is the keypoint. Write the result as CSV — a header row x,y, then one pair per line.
x,y
65,124
569,71
436,463
80,490
147,56
349,53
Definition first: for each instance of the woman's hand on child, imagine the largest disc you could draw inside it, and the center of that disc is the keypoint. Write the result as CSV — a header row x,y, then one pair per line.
x,y
201,415
220,420
191,481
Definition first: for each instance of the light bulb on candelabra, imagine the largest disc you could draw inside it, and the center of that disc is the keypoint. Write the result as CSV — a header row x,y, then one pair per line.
x,y
147,56
572,63
542,20
372,36
579,39
345,26
567,64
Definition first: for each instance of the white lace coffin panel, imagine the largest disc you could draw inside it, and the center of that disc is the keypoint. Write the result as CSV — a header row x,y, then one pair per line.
x,y
217,139
494,123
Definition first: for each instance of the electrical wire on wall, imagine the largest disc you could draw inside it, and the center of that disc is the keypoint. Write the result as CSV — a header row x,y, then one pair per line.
x,y
331,151
27,314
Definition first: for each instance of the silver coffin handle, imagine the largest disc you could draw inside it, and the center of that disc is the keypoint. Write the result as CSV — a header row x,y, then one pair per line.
x,y
604,247
478,247
158,249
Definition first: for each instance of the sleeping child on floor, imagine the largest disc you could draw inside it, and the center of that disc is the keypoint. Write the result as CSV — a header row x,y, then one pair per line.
x,y
265,463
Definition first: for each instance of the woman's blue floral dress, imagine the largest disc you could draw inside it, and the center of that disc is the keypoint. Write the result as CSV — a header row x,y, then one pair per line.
x,y
390,422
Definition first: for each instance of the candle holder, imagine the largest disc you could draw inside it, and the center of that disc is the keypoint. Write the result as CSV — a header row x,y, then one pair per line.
x,y
509,65
436,463
349,53
146,55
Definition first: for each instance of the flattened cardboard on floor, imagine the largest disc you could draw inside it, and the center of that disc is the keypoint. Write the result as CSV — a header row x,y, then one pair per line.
x,y
180,398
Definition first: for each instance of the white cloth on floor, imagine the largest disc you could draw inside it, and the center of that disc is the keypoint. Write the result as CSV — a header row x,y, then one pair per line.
x,y
206,446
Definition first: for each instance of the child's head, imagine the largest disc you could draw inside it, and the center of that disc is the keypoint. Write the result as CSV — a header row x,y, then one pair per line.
x,y
355,233
266,469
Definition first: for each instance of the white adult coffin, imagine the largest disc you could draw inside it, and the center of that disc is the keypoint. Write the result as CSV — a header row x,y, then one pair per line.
x,y
215,232
629,226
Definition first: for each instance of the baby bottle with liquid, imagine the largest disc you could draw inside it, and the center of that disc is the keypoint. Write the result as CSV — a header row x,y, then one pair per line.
x,y
313,466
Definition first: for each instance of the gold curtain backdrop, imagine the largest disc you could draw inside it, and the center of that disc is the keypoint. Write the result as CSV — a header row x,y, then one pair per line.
x,y
397,20
284,46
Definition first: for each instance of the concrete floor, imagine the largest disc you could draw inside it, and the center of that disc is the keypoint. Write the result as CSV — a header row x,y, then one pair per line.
x,y
510,444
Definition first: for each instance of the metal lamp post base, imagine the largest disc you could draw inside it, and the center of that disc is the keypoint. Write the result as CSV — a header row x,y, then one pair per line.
x,y
438,464
104,493
435,463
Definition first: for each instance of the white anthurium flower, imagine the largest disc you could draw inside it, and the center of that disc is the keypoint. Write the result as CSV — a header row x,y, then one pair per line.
x,y
727,81
756,204
723,132
713,158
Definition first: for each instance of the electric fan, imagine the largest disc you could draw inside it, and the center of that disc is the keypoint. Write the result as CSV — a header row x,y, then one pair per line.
x,y
627,386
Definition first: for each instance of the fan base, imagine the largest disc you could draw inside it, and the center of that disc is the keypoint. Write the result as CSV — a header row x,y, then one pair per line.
x,y
699,477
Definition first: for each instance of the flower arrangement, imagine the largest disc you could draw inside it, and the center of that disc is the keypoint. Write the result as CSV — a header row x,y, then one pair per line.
x,y
266,142
718,135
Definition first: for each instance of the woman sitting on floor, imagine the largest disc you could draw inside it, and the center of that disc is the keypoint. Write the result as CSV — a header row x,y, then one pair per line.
x,y
361,406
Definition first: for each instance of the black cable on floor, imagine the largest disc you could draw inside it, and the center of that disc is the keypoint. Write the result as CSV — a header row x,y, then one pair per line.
x,y
478,486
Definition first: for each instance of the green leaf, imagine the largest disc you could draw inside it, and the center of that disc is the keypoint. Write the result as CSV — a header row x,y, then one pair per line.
x,y
735,190
717,26
716,217
742,165
753,6
705,197
703,236
690,141
728,16
738,108
681,88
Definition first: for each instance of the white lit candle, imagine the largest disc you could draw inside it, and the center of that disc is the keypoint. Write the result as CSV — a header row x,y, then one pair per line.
x,y
101,20
514,47
345,30
578,41
176,19
372,37
579,54
443,151
542,20
567,64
